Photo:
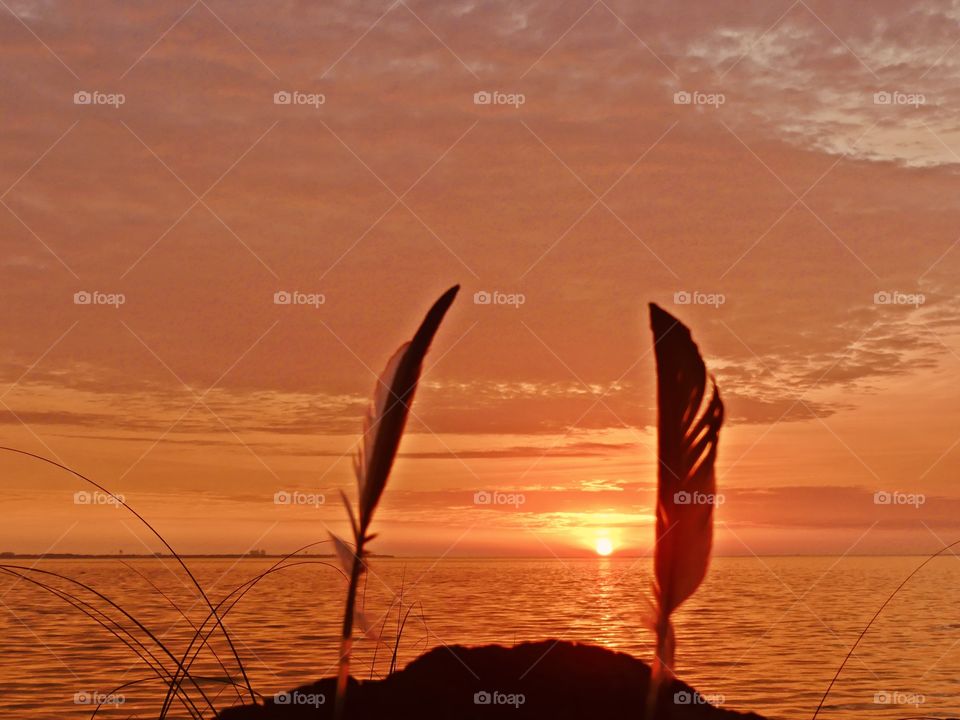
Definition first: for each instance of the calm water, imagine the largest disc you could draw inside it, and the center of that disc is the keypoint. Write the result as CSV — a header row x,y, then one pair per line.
x,y
766,635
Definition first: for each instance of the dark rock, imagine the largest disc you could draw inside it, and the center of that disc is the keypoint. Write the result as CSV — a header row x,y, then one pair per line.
x,y
550,679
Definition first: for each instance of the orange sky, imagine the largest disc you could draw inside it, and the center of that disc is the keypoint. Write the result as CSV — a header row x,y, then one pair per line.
x,y
797,196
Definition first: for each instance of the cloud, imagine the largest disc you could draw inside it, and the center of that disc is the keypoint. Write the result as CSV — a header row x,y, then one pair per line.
x,y
798,200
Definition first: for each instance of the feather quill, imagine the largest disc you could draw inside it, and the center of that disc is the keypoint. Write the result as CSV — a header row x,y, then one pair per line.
x,y
383,427
688,430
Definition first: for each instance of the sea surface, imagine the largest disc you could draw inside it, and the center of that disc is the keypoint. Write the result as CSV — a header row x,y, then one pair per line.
x,y
762,634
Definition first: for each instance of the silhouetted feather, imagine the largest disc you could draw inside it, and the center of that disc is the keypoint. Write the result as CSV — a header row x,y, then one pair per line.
x,y
387,415
383,427
687,434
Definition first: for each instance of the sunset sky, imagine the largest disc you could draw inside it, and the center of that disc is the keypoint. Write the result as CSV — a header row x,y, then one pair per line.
x,y
812,176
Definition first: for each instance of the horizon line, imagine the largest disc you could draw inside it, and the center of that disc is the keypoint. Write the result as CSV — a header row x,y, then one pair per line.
x,y
393,556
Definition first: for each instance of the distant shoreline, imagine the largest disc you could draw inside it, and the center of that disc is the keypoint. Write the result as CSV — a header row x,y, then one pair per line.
x,y
164,556
277,556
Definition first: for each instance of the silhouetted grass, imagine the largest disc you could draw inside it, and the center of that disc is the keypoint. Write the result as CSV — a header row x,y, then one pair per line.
x,y
160,537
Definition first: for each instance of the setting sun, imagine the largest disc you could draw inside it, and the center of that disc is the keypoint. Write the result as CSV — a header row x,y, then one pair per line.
x,y
604,546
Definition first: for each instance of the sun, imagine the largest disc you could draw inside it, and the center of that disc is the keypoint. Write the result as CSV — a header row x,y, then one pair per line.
x,y
604,546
